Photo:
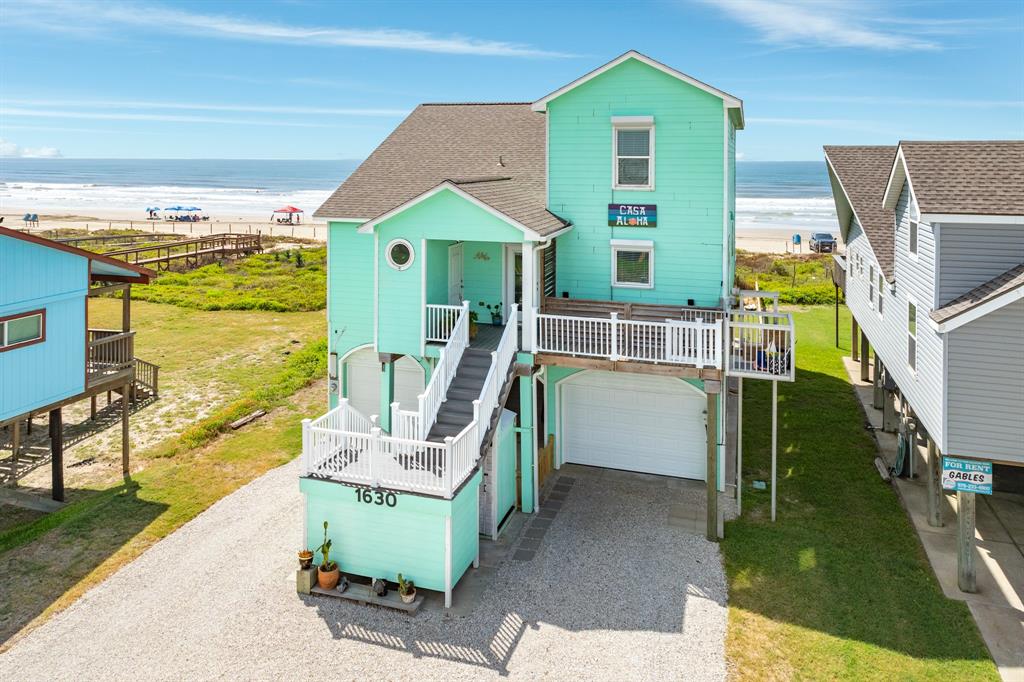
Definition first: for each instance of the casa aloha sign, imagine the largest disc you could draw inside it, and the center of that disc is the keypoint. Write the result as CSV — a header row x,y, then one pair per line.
x,y
632,215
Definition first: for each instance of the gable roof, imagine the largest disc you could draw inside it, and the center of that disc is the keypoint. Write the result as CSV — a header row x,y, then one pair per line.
x,y
494,152
962,177
862,173
997,292
101,268
731,102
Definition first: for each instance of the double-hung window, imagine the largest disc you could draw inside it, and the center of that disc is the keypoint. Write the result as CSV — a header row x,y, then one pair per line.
x,y
871,285
22,329
912,335
881,289
912,240
633,152
633,263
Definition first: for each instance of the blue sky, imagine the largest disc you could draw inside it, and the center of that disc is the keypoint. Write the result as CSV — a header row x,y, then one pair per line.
x,y
316,80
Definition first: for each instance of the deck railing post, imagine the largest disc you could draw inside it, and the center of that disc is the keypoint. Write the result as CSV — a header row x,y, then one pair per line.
x,y
700,342
614,349
306,446
376,448
448,462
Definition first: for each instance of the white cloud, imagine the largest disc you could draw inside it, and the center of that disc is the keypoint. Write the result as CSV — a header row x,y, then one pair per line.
x,y
57,15
823,23
10,150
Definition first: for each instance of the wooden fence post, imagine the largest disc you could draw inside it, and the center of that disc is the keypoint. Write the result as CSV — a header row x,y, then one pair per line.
x,y
967,577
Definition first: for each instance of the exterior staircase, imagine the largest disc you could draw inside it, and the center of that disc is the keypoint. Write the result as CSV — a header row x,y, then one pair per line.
x,y
457,411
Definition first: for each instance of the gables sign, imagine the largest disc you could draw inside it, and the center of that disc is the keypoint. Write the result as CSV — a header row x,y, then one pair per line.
x,y
966,475
632,215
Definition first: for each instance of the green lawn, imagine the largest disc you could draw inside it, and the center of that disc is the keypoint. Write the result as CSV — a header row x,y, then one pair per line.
x,y
838,586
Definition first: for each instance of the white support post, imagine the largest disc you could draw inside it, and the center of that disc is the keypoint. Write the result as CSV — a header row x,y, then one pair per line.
x,y
447,561
614,337
700,341
529,302
739,447
375,449
305,445
396,429
448,467
775,440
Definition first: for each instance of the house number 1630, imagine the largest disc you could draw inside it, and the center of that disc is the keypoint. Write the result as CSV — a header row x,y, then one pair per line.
x,y
370,497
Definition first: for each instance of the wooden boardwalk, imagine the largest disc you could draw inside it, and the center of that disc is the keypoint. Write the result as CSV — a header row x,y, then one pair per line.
x,y
192,252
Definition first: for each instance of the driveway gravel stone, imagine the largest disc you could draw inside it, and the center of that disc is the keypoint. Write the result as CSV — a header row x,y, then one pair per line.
x,y
614,592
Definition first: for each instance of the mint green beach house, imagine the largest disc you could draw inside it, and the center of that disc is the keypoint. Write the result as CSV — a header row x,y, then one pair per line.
x,y
518,286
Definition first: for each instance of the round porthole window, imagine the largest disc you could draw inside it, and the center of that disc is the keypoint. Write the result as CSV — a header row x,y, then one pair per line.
x,y
400,254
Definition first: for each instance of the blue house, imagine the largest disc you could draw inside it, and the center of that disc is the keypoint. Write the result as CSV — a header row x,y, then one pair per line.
x,y
49,357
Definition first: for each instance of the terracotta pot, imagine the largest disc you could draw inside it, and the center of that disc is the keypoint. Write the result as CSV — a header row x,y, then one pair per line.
x,y
328,579
305,559
408,598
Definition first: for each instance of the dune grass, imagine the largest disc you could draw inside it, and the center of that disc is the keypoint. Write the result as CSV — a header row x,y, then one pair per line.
x,y
802,279
839,586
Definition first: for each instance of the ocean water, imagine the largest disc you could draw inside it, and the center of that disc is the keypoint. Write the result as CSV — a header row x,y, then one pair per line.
x,y
770,195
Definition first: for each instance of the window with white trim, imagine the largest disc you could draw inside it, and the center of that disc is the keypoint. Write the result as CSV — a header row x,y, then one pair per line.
x,y
400,254
881,289
912,241
912,335
633,152
632,264
871,285
23,329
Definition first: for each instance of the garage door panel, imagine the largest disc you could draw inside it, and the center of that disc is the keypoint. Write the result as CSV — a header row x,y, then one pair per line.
x,y
363,381
648,424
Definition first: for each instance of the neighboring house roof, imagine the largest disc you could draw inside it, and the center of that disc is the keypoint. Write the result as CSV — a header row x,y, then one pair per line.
x,y
961,178
991,295
731,102
493,152
862,173
101,268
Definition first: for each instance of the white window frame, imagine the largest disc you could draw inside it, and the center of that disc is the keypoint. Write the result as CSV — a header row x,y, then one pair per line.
x,y
881,291
912,303
632,123
871,285
412,254
632,245
913,237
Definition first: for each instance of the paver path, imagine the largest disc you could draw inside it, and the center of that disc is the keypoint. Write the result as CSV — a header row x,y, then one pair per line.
x,y
615,590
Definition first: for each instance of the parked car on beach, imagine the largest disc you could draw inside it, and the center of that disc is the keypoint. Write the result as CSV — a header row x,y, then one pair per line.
x,y
823,242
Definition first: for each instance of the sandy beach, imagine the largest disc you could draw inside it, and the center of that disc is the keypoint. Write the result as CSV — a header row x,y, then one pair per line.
x,y
759,240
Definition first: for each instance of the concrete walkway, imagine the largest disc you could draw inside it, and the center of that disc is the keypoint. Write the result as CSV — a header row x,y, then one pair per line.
x,y
998,605
614,586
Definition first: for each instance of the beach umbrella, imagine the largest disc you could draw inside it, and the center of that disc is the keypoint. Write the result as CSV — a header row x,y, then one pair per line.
x,y
289,209
192,208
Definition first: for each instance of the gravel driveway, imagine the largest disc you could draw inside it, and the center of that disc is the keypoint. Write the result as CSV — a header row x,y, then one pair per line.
x,y
615,591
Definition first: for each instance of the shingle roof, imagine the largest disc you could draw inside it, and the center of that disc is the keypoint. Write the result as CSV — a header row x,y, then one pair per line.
x,y
995,287
983,177
864,173
495,152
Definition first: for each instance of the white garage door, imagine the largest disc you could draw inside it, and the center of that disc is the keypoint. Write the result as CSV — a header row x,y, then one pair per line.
x,y
638,423
363,379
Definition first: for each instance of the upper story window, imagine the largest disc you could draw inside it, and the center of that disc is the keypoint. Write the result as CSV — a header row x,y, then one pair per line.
x,y
23,329
912,247
400,254
881,289
633,152
871,285
633,263
912,335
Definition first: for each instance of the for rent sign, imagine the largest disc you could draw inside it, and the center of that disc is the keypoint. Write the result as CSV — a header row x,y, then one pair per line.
x,y
632,215
966,475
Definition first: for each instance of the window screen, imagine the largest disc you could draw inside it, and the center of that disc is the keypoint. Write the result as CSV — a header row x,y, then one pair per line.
x,y
632,267
633,156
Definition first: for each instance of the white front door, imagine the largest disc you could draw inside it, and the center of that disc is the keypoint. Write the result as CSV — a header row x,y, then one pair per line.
x,y
513,279
363,380
455,274
649,424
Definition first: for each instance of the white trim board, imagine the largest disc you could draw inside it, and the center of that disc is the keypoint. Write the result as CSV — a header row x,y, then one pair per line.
x,y
731,102
985,308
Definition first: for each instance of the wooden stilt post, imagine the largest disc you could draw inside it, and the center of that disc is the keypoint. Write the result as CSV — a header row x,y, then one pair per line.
x,y
775,440
739,447
877,396
92,407
15,448
855,335
935,495
712,464
57,455
124,431
890,418
865,356
967,577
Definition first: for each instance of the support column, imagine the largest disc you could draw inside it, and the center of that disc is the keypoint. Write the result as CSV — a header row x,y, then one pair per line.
x,y
865,356
529,294
890,417
711,477
387,393
526,441
935,495
739,448
967,577
15,449
855,335
877,397
57,455
125,446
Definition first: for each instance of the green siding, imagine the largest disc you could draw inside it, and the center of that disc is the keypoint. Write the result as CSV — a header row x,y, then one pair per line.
x,y
689,136
437,271
444,216
350,283
481,276
380,541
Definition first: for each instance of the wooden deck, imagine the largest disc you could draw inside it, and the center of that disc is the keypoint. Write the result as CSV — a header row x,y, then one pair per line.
x,y
192,252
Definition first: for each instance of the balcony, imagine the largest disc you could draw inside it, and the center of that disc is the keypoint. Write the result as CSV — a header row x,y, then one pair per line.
x,y
111,362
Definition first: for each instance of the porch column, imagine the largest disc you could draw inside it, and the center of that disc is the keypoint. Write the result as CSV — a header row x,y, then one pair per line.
x,y
526,437
57,455
876,396
853,340
387,393
865,356
529,294
935,495
966,576
712,390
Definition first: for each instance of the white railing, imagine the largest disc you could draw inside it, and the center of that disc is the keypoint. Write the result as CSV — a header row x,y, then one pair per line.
x,y
429,402
490,393
761,345
696,341
441,321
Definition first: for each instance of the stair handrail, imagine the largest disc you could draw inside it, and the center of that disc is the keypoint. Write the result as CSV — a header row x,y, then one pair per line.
x,y
429,402
484,406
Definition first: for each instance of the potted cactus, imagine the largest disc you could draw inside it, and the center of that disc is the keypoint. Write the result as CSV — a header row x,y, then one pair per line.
x,y
328,574
406,590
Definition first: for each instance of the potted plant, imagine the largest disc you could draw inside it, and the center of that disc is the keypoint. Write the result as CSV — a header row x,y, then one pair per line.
x,y
494,310
406,590
305,559
472,324
328,575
